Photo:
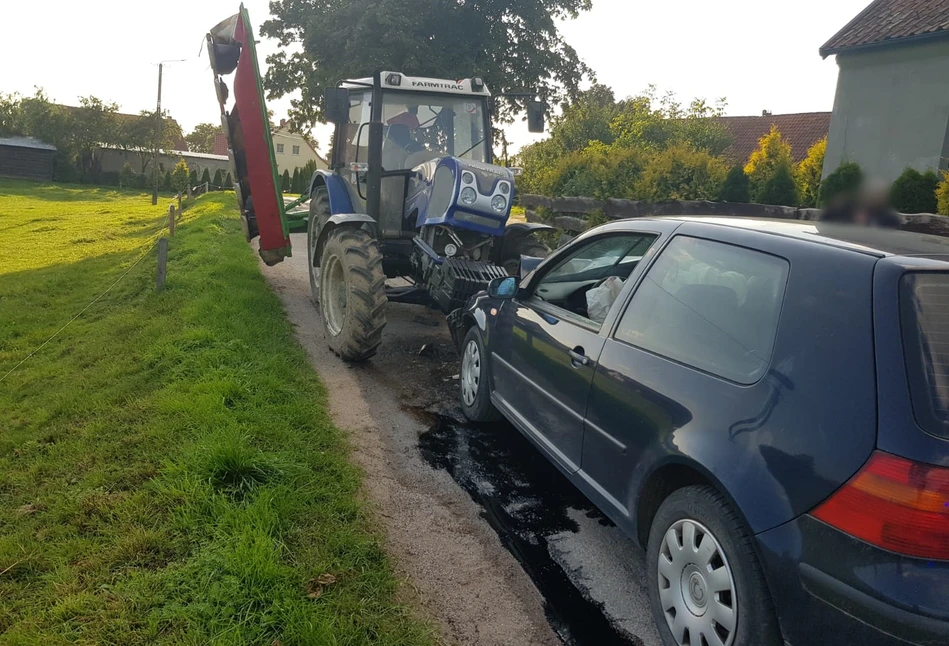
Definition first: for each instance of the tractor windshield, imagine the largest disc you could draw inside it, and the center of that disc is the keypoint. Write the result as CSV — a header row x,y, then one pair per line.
x,y
420,127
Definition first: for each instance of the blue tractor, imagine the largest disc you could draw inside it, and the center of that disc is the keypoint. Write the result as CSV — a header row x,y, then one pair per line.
x,y
411,194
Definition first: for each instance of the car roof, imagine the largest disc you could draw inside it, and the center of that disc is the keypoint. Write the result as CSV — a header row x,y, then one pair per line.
x,y
871,240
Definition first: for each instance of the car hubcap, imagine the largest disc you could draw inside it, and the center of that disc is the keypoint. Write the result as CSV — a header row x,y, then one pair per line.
x,y
470,373
335,292
696,587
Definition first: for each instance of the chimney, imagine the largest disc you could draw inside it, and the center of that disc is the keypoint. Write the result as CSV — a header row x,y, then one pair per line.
x,y
283,122
764,113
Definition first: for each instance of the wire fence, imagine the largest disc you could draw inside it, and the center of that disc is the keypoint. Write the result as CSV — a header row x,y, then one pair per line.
x,y
158,239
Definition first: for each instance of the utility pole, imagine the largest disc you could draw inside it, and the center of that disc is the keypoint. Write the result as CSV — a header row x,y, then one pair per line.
x,y
157,138
158,125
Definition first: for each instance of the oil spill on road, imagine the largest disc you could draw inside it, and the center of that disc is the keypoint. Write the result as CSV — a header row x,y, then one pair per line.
x,y
525,499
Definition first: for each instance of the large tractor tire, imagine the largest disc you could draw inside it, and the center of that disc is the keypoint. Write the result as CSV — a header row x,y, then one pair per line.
x,y
319,214
352,294
526,246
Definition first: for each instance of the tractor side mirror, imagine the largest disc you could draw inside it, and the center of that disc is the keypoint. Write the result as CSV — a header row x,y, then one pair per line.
x,y
535,116
336,104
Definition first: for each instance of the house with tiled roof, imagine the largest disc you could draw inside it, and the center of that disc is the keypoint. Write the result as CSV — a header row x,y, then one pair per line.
x,y
891,109
800,131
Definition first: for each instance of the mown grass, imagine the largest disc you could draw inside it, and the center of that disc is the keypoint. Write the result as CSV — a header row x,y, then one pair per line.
x,y
168,471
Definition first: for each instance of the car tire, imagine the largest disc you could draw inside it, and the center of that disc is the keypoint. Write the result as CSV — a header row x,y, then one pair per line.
x,y
474,394
704,576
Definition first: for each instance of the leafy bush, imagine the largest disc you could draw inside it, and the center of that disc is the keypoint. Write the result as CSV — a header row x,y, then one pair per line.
x,y
218,180
779,189
942,195
915,192
229,181
180,176
194,178
109,178
206,177
127,176
845,181
772,153
808,172
736,188
680,173
598,171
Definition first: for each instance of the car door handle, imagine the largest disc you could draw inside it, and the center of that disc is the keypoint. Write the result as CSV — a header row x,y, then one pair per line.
x,y
578,358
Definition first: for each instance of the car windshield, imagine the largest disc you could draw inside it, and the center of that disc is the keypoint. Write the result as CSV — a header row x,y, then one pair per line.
x,y
439,125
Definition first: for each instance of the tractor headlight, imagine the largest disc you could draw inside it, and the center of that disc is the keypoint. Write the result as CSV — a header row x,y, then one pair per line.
x,y
467,178
468,196
499,203
504,187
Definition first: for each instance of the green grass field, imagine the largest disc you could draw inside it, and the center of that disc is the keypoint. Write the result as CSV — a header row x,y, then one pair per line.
x,y
168,471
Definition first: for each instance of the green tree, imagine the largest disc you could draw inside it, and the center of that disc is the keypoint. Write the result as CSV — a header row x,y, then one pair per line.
x,y
736,186
93,123
206,177
915,192
295,182
807,174
513,45
229,181
942,195
772,153
218,180
10,115
127,176
285,182
193,178
681,173
845,181
779,189
139,133
180,176
201,139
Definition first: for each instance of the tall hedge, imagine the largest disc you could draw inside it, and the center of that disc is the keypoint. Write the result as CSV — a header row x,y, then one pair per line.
x,y
942,195
915,192
206,177
808,172
285,182
737,187
779,189
844,181
218,180
680,173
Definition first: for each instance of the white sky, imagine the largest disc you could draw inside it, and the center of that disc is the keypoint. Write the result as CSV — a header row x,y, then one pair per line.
x,y
759,54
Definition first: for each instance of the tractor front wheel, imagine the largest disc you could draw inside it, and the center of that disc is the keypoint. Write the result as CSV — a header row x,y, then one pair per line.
x,y
352,294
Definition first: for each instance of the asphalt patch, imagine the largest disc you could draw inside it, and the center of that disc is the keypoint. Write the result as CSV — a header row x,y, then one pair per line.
x,y
526,500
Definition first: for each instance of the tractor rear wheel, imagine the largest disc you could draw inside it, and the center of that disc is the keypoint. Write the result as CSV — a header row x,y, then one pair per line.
x,y
352,293
319,214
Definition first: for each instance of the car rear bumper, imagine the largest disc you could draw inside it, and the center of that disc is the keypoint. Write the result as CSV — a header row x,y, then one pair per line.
x,y
830,588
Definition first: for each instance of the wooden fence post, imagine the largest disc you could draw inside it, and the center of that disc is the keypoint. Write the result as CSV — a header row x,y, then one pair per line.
x,y
171,220
162,263
179,201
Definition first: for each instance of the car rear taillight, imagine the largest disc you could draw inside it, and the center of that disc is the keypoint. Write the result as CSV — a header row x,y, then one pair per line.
x,y
896,504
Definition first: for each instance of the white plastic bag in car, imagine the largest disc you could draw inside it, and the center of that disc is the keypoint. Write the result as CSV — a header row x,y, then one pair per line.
x,y
600,299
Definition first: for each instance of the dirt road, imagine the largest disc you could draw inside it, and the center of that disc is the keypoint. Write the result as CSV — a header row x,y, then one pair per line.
x,y
499,547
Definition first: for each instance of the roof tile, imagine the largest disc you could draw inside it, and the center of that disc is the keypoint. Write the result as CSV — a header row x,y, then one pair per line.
x,y
801,131
884,21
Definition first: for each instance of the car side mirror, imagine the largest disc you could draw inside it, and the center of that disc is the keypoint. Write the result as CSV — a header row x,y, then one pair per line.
x,y
336,104
505,287
536,110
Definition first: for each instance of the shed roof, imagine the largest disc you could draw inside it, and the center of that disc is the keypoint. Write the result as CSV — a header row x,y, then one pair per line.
x,y
885,22
26,142
801,131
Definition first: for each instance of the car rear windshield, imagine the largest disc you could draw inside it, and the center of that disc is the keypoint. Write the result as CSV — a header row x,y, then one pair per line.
x,y
925,314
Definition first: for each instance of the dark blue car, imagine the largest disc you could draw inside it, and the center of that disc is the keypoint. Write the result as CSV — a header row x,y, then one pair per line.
x,y
763,405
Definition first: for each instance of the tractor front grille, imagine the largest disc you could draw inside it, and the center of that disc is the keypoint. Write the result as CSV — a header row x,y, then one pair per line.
x,y
457,279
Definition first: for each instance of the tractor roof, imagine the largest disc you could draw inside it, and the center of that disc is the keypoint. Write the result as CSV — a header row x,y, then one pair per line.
x,y
399,81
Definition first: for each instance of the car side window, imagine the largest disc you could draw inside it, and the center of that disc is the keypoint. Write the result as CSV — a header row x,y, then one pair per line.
x,y
709,305
602,264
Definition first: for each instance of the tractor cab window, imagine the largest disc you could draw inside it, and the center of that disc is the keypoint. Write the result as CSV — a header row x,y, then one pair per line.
x,y
354,133
420,127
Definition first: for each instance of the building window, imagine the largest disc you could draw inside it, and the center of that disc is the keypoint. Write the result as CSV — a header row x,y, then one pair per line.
x,y
279,148
296,150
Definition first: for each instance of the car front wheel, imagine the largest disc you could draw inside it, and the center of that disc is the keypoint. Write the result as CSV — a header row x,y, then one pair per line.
x,y
475,396
706,585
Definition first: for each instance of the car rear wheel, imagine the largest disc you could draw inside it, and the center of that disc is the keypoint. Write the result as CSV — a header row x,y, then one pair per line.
x,y
706,586
475,396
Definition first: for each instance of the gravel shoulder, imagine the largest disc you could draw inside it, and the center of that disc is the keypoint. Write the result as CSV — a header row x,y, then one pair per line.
x,y
445,552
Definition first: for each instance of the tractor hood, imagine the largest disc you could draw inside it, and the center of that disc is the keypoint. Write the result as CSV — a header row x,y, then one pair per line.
x,y
461,193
